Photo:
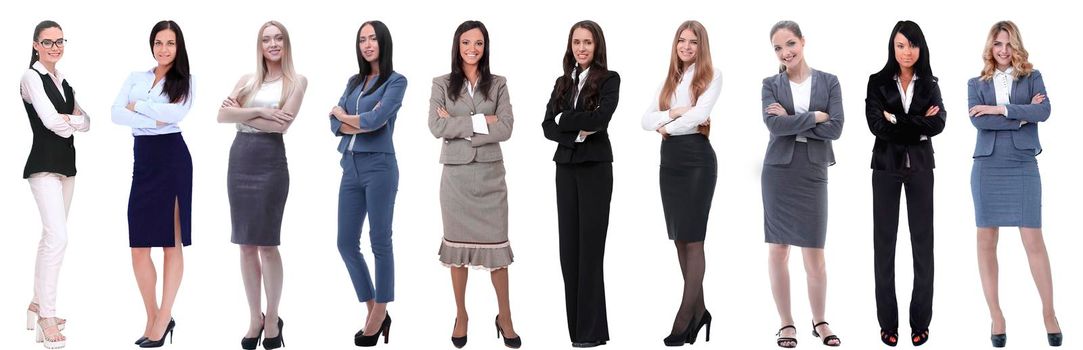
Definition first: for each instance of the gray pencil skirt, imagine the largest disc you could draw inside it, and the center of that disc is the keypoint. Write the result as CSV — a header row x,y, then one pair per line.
x,y
258,181
795,201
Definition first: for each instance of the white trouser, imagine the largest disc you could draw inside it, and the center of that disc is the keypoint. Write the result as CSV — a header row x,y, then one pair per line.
x,y
53,193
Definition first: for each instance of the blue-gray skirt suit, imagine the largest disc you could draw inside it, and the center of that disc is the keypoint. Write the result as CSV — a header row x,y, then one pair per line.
x,y
1004,180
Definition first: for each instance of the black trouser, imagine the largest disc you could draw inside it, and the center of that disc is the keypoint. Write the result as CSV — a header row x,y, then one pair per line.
x,y
886,189
583,194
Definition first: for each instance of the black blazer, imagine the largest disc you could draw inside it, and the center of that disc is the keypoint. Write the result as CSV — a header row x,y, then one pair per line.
x,y
596,147
895,141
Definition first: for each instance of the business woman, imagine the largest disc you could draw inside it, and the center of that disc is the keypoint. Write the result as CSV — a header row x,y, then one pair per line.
x,y
263,105
904,110
471,111
802,108
54,116
577,115
1006,104
364,120
689,168
152,103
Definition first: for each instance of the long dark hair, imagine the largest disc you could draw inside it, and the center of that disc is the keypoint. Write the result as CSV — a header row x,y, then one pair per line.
x,y
457,75
50,24
913,33
383,40
598,68
178,80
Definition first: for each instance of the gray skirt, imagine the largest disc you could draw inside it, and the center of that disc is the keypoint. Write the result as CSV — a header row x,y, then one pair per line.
x,y
795,201
1007,187
474,208
258,181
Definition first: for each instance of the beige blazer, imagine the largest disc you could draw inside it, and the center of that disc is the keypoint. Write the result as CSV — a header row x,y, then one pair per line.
x,y
455,130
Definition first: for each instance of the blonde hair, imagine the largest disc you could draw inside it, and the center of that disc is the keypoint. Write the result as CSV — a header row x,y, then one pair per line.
x,y
1021,65
289,75
704,69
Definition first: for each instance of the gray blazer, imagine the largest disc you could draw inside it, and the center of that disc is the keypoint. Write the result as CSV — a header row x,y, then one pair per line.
x,y
826,97
1025,137
456,128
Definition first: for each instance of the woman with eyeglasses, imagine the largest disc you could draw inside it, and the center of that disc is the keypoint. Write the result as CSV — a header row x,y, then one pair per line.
x,y
364,121
152,103
263,105
50,169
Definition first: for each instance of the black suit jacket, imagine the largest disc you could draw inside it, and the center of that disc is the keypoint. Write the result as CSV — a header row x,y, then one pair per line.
x,y
596,147
895,141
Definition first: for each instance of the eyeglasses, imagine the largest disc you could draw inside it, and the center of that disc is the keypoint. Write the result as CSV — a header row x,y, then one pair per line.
x,y
48,43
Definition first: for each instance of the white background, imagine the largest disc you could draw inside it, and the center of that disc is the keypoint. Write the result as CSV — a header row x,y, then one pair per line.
x,y
99,297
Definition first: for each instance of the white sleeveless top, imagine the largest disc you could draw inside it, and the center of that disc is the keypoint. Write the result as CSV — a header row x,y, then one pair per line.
x,y
268,96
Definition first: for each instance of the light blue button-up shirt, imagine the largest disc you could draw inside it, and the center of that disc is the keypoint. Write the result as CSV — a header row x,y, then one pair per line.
x,y
151,105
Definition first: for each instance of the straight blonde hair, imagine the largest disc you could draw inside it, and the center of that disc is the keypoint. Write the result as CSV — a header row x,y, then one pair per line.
x,y
289,75
1021,65
704,69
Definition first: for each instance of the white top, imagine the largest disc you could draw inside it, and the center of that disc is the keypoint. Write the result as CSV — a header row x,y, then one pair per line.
x,y
151,105
689,122
268,96
33,92
476,120
575,101
802,97
907,97
1002,84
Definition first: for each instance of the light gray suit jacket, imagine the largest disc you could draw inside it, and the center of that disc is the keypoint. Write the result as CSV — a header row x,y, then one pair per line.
x,y
456,128
826,97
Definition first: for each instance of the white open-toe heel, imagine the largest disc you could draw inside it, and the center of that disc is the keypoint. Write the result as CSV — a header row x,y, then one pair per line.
x,y
52,340
32,318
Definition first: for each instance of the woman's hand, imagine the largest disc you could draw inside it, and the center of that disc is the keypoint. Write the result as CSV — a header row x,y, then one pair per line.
x,y
442,112
131,106
982,110
338,112
491,119
675,113
279,116
933,111
230,102
1037,99
775,109
821,117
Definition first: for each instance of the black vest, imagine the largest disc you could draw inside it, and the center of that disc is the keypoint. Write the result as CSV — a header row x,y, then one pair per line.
x,y
50,152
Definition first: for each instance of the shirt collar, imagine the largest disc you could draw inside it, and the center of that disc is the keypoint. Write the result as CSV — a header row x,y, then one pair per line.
x,y
40,67
583,74
914,78
1007,72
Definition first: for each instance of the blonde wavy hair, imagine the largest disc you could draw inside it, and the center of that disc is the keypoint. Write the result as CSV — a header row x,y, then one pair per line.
x,y
704,69
289,75
1021,65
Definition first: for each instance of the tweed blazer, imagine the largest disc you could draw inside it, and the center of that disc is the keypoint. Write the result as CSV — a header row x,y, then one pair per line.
x,y
461,145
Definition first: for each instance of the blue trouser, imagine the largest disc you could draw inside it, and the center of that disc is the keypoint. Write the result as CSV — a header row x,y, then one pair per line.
x,y
369,183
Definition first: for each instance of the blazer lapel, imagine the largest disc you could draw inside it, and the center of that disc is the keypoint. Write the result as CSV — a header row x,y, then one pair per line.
x,y
892,101
818,98
785,95
920,102
1018,95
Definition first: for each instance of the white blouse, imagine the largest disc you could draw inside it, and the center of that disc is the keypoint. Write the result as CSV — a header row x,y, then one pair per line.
x,y
33,92
1002,84
689,122
151,105
802,98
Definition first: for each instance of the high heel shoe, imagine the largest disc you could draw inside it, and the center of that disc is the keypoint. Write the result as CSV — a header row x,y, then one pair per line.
x,y
1055,339
704,320
513,343
890,338
140,340
782,339
275,342
360,339
52,340
919,338
458,342
999,340
679,339
251,343
161,341
826,340
32,317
